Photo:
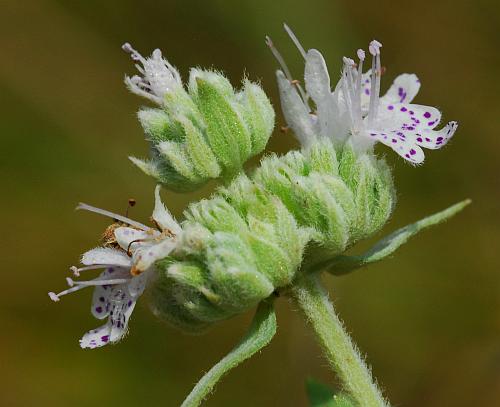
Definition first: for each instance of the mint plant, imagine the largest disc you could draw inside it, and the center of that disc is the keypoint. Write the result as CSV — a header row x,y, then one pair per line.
x,y
271,231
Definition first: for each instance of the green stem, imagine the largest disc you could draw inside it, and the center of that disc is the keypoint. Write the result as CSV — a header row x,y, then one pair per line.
x,y
342,355
259,335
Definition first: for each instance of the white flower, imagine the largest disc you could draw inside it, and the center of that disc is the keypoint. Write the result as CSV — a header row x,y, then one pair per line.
x,y
128,269
354,110
158,75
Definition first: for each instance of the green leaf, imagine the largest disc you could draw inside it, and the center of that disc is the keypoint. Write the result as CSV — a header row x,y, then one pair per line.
x,y
320,395
385,247
259,335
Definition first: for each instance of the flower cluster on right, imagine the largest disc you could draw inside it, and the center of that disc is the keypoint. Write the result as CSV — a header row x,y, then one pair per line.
x,y
354,110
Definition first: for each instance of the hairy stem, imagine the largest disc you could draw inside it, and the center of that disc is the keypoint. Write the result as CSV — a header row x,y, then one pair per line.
x,y
259,335
342,355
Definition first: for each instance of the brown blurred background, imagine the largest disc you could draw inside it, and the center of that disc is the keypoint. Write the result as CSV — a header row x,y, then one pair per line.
x,y
428,319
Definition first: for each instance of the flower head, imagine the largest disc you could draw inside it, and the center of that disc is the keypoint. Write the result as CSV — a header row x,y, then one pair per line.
x,y
201,131
158,75
355,111
128,258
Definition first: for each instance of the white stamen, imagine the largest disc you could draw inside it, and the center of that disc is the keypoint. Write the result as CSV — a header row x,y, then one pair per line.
x,y
374,48
56,297
285,69
112,215
96,282
346,89
133,53
295,40
70,281
76,271
361,56
348,61
279,58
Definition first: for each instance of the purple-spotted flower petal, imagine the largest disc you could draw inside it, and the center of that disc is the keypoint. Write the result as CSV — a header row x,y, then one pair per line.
x,y
354,111
127,271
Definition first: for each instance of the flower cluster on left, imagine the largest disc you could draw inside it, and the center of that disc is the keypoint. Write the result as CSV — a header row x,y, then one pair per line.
x,y
127,256
205,132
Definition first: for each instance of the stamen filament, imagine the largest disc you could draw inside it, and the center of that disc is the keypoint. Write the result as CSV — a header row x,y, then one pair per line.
x,y
279,58
76,271
285,70
112,215
96,282
295,40
55,297
374,48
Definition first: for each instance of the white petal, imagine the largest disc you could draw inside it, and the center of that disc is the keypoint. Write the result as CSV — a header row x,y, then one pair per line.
x,y
435,139
102,294
407,117
162,216
96,337
401,143
105,256
138,284
317,81
144,257
316,77
121,310
295,111
403,90
125,236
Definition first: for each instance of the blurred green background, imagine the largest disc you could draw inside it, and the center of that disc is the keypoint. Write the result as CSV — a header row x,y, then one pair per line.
x,y
428,319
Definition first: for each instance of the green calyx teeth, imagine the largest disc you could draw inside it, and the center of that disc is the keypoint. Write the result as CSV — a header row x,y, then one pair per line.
x,y
255,235
206,132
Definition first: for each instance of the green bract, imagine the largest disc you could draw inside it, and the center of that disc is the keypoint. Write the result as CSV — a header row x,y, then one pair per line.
x,y
206,132
251,237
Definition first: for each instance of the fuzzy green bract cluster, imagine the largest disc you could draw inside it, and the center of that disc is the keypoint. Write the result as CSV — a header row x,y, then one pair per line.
x,y
206,132
252,236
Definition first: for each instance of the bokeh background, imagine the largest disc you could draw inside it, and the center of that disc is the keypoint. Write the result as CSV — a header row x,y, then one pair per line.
x,y
428,319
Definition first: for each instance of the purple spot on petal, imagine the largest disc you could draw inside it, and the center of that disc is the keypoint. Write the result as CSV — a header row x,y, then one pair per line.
x,y
105,338
367,91
390,107
427,115
413,152
403,109
419,139
394,140
98,309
